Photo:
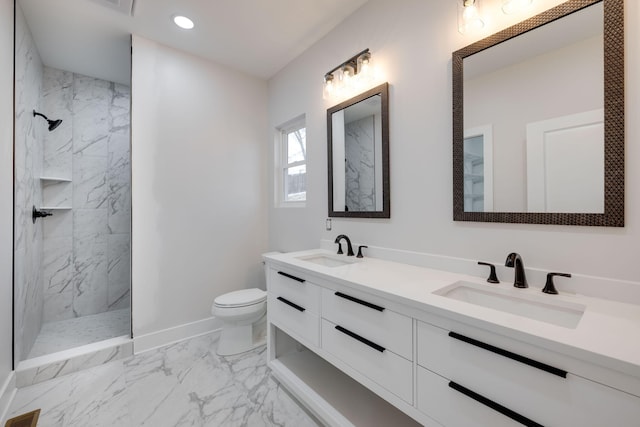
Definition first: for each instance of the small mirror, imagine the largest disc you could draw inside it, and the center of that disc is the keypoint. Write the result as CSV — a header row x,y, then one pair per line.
x,y
358,143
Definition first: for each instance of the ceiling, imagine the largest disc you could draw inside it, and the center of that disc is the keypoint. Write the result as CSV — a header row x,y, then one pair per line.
x,y
258,37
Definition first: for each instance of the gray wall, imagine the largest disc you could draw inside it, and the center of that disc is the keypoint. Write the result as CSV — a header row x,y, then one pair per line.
x,y
199,196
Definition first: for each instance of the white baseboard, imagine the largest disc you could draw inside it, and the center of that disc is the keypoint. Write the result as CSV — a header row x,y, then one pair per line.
x,y
7,392
175,334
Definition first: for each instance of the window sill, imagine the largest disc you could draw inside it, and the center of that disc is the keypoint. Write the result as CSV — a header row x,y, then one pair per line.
x,y
292,205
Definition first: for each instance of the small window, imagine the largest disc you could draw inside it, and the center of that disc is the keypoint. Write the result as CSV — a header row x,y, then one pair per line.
x,y
292,169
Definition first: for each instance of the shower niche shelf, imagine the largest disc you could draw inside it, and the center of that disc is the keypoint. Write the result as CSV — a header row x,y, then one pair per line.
x,y
57,193
54,179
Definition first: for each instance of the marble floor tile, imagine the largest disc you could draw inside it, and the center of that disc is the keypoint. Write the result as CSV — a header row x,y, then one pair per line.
x,y
95,397
183,384
70,333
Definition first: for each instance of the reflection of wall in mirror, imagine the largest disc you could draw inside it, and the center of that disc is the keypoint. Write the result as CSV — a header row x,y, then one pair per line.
x,y
565,81
338,156
360,165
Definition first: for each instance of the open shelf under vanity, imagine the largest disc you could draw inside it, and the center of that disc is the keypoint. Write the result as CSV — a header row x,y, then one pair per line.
x,y
327,392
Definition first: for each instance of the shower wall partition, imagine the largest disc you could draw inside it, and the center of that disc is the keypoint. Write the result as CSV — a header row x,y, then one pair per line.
x,y
72,269
28,237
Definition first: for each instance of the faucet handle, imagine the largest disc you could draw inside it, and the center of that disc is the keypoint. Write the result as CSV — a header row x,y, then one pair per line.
x,y
493,277
340,248
360,251
549,287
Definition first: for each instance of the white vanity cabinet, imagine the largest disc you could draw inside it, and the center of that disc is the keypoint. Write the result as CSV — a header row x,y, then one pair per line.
x,y
359,356
495,380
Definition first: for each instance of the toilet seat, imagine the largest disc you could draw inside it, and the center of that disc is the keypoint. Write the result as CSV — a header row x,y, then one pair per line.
x,y
241,298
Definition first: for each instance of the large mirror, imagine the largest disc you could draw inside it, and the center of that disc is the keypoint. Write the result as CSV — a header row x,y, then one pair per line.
x,y
538,112
358,141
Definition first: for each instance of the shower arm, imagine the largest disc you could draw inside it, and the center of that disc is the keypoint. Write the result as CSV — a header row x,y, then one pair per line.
x,y
35,113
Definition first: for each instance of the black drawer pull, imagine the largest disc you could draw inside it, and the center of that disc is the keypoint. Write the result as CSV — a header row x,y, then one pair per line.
x,y
359,301
510,355
297,279
290,304
495,406
361,339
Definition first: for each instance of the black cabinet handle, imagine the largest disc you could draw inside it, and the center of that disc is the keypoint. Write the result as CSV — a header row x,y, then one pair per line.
x,y
297,279
510,355
291,304
359,301
494,405
361,339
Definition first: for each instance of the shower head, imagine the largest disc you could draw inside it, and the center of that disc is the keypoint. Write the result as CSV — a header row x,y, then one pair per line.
x,y
52,123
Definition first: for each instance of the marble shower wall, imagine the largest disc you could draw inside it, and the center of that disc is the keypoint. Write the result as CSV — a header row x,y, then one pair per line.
x,y
87,248
28,240
359,166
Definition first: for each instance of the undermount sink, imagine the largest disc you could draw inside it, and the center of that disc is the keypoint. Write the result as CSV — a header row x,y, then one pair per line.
x,y
326,260
516,301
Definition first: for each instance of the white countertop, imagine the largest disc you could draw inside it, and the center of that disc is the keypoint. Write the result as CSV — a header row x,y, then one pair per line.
x,y
608,333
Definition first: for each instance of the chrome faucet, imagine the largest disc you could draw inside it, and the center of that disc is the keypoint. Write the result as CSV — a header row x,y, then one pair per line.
x,y
515,260
349,247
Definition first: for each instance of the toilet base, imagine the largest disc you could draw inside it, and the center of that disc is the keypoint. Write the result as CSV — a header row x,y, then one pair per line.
x,y
236,339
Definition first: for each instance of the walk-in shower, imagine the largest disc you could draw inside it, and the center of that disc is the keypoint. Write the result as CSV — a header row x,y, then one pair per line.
x,y
72,204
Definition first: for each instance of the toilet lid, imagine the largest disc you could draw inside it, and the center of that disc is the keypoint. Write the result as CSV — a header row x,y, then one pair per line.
x,y
241,298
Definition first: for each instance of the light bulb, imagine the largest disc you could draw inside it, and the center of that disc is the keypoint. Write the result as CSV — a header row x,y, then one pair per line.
x,y
365,64
346,75
328,88
469,16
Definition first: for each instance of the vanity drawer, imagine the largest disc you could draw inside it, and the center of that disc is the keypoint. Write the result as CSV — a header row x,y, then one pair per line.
x,y
294,319
382,366
451,408
367,316
294,287
533,388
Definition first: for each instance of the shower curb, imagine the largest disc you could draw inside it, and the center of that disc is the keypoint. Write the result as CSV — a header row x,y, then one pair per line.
x,y
65,362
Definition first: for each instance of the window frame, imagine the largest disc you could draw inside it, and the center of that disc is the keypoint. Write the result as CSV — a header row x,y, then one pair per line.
x,y
282,161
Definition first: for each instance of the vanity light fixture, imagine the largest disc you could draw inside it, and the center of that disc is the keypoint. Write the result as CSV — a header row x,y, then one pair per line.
x,y
352,73
183,22
469,17
513,6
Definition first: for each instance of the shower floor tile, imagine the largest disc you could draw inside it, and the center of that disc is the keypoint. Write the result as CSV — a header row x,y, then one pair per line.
x,y
66,334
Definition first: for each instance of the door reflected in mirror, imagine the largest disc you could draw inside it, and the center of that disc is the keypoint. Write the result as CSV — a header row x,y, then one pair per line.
x,y
358,156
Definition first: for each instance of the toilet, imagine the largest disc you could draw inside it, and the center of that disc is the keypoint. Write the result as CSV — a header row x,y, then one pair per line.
x,y
244,317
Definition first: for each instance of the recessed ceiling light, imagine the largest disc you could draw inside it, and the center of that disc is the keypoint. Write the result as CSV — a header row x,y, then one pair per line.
x,y
183,22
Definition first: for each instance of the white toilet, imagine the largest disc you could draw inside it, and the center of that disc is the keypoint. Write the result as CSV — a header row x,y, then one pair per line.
x,y
244,314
